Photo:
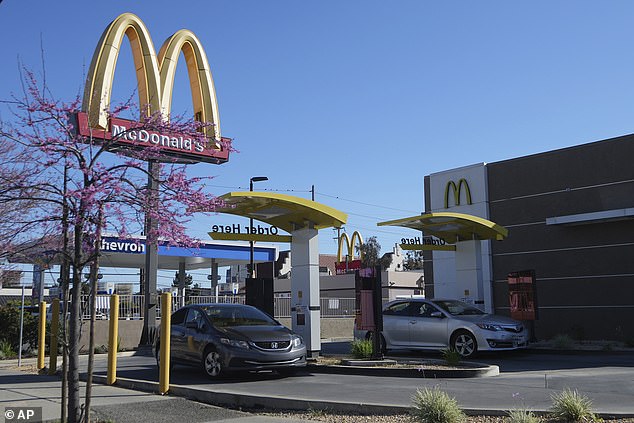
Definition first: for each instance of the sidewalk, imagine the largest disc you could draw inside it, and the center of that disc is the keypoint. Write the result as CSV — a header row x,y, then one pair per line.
x,y
109,403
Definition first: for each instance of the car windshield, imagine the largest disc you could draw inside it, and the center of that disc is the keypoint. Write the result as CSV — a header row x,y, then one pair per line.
x,y
458,308
227,316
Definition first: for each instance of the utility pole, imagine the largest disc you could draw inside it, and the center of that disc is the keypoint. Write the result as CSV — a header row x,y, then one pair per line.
x,y
252,266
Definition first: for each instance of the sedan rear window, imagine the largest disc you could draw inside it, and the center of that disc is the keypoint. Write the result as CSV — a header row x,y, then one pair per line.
x,y
237,316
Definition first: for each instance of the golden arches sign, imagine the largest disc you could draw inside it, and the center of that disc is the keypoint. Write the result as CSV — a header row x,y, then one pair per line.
x,y
155,80
451,185
349,242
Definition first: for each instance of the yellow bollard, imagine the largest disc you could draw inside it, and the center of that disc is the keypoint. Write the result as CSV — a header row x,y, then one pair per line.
x,y
165,336
52,367
113,339
41,336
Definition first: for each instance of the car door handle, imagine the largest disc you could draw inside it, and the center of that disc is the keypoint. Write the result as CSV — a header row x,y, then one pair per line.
x,y
412,322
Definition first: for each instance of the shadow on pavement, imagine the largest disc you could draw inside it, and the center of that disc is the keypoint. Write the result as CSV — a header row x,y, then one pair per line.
x,y
143,369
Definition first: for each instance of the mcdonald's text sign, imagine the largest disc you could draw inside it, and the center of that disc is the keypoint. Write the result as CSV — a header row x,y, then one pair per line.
x,y
135,135
343,267
155,82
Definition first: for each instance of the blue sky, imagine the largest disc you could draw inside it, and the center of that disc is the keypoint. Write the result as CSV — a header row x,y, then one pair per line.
x,y
363,98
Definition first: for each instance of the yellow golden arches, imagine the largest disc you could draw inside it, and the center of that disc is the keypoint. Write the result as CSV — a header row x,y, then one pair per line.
x,y
456,192
98,87
155,79
200,79
349,242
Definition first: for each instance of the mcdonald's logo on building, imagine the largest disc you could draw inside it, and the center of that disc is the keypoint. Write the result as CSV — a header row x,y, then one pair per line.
x,y
155,81
457,190
349,264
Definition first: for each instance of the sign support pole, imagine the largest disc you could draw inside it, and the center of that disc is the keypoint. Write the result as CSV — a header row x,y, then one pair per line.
x,y
305,306
151,259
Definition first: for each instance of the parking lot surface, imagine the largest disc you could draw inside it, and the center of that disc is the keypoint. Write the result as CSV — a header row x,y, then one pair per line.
x,y
526,380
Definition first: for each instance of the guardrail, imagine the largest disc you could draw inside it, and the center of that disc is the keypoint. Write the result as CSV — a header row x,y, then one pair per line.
x,y
131,306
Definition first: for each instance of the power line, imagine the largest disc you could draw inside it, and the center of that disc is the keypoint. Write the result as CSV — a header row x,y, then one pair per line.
x,y
306,191
378,230
365,204
262,189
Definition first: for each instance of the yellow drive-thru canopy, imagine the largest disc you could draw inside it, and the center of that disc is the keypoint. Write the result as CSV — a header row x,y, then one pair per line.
x,y
287,212
452,227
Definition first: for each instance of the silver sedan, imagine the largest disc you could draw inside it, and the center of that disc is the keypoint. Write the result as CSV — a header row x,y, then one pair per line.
x,y
419,323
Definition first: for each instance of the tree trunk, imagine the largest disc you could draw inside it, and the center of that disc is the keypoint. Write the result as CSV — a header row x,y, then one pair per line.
x,y
74,406
65,277
65,284
94,273
94,269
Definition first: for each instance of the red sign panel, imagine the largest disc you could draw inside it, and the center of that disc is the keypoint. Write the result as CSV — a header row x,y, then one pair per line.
x,y
344,267
132,134
522,295
365,314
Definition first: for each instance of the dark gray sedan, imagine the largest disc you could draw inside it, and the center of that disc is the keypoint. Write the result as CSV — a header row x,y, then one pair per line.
x,y
232,337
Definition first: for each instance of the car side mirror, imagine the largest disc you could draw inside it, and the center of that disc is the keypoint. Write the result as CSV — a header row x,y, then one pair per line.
x,y
191,325
437,314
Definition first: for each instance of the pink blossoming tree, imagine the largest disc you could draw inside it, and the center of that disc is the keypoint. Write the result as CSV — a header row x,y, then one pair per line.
x,y
60,191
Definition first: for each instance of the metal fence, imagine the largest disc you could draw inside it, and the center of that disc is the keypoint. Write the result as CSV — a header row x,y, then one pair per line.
x,y
131,306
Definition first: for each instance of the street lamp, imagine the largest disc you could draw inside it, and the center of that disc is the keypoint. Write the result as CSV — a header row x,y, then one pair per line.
x,y
251,181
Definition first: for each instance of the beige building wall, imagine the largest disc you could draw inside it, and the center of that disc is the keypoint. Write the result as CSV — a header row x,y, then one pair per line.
x,y
342,286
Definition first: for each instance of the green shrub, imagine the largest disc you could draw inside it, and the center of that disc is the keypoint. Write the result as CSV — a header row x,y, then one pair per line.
x,y
361,348
100,349
571,406
6,350
523,416
10,326
451,356
316,413
435,406
562,342
608,347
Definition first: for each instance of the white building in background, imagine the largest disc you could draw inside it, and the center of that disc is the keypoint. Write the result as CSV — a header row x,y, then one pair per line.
x,y
395,280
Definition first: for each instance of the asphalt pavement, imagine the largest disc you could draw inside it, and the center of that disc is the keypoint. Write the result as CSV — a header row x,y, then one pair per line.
x,y
526,380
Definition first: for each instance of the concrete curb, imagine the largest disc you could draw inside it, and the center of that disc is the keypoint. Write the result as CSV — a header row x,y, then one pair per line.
x,y
469,371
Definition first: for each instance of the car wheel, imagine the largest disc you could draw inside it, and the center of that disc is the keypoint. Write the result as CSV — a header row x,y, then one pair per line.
x,y
464,343
212,363
369,337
